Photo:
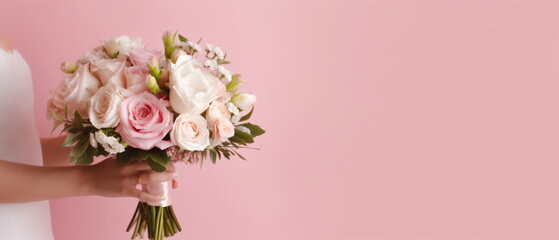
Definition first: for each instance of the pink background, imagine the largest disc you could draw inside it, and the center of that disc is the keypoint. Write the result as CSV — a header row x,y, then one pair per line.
x,y
388,120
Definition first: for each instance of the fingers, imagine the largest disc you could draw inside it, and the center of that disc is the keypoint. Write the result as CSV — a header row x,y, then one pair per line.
x,y
175,184
156,177
141,166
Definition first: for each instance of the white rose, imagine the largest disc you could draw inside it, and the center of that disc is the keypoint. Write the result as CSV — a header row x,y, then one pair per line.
x,y
76,91
190,132
104,110
243,100
192,90
110,144
121,45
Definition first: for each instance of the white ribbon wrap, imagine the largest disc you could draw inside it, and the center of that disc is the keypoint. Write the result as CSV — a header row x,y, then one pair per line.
x,y
162,188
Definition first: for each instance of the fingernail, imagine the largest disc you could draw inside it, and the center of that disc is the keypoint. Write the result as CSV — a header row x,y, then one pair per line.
x,y
175,174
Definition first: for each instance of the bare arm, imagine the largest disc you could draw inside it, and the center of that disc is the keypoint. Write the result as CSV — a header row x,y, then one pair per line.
x,y
53,152
24,183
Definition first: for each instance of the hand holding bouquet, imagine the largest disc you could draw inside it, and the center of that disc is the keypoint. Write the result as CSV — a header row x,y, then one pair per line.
x,y
182,105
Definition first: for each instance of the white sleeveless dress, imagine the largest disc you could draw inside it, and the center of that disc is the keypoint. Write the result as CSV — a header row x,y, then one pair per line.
x,y
19,142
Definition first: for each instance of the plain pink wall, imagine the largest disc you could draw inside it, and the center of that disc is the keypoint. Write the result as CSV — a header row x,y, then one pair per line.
x,y
386,119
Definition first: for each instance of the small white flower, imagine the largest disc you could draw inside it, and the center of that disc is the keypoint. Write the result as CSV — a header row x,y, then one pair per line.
x,y
215,50
233,109
194,46
243,129
92,140
211,63
110,144
226,74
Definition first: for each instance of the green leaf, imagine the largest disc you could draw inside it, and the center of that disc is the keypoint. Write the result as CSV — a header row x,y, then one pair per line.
x,y
77,118
238,154
227,154
244,136
234,84
213,155
66,111
155,166
56,125
55,115
182,38
255,130
80,148
238,140
142,154
126,157
159,156
247,117
86,158
71,139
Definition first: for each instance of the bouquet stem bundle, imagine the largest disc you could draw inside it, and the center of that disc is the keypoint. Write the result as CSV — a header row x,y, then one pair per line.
x,y
157,220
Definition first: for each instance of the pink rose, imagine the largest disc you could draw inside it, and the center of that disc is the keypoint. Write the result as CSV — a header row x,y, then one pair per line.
x,y
144,121
136,79
141,57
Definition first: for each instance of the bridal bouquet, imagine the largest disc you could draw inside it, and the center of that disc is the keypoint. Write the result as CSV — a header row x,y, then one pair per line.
x,y
124,100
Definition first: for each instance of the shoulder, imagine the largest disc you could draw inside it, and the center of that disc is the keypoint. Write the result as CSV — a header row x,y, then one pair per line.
x,y
4,43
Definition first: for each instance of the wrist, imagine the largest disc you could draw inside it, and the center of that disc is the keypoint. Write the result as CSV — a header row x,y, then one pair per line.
x,y
85,185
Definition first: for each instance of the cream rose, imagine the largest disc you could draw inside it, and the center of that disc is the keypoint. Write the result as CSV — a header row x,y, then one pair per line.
x,y
222,129
136,79
192,90
217,111
76,91
190,132
110,71
103,110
